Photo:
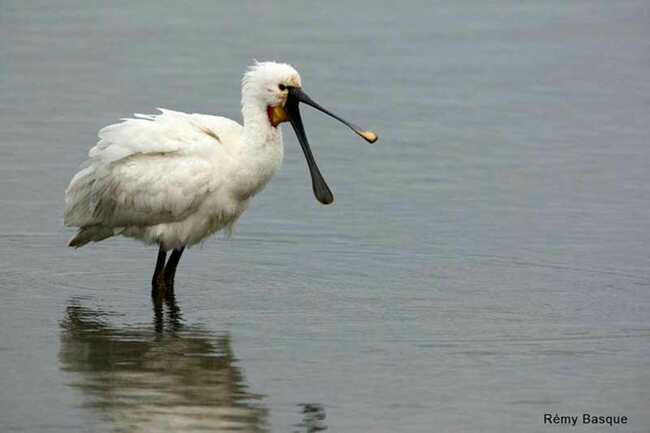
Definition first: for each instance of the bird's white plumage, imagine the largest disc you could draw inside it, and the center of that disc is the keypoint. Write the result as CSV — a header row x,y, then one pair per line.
x,y
176,178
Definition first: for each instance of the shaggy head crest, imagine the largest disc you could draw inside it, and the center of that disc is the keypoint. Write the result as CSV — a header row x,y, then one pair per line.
x,y
262,79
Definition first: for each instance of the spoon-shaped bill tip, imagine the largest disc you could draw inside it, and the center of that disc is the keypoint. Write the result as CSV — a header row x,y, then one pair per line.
x,y
369,136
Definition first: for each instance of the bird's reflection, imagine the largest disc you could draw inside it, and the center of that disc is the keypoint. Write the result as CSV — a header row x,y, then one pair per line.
x,y
313,419
165,377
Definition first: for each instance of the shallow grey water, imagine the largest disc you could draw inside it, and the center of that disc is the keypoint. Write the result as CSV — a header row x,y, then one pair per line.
x,y
486,261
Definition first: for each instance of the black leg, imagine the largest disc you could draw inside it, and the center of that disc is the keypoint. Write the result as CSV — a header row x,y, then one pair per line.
x,y
170,268
158,280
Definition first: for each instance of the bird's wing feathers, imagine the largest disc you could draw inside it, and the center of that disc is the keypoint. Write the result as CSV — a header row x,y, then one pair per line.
x,y
170,131
148,170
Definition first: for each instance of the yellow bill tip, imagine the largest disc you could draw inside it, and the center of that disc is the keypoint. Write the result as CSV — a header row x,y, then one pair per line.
x,y
369,136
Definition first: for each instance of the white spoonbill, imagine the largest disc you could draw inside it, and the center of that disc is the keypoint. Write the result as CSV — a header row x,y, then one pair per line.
x,y
175,178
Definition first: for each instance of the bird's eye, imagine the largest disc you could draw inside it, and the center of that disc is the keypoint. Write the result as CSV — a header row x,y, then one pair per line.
x,y
282,87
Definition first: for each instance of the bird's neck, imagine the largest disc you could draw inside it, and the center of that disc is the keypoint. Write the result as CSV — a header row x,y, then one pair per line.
x,y
258,131
260,151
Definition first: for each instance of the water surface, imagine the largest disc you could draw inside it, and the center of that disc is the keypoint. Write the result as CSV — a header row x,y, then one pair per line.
x,y
486,260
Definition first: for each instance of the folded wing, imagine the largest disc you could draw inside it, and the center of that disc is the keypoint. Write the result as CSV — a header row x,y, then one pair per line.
x,y
148,170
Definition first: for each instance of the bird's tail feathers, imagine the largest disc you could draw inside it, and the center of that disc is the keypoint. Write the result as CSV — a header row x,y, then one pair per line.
x,y
93,233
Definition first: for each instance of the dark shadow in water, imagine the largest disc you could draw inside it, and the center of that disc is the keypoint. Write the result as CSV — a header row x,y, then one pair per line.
x,y
165,377
313,419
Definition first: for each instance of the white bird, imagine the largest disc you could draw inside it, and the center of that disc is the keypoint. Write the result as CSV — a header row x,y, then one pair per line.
x,y
174,178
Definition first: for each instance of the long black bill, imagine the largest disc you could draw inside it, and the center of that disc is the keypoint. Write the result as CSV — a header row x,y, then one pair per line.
x,y
301,96
318,184
296,95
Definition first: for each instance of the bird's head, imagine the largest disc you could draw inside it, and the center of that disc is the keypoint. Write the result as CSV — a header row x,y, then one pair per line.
x,y
267,84
278,88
